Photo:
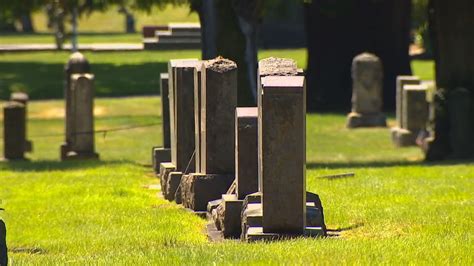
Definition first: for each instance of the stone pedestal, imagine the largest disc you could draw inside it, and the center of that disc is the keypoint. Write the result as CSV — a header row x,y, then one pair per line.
x,y
165,109
14,131
80,120
283,204
246,151
217,140
23,98
367,89
163,154
181,95
414,115
181,114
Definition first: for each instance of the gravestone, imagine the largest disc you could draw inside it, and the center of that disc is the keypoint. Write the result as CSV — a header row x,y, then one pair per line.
x,y
80,119
14,131
23,98
401,82
246,151
279,209
283,205
414,115
3,244
181,102
367,89
163,154
197,117
218,103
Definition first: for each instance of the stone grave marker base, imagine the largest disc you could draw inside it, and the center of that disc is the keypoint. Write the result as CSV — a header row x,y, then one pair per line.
x,y
160,155
252,217
226,215
355,120
67,154
198,189
172,184
165,170
402,137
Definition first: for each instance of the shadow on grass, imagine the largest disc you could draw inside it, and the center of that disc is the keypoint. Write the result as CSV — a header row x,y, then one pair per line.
x,y
50,165
379,164
45,81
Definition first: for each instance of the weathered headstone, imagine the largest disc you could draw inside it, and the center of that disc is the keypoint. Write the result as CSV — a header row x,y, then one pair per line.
x,y
367,89
282,207
197,117
163,154
14,131
414,115
79,95
181,96
80,120
246,155
3,244
401,82
23,98
218,103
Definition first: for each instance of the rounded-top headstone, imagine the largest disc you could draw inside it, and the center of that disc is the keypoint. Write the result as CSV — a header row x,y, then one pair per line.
x,y
77,63
367,83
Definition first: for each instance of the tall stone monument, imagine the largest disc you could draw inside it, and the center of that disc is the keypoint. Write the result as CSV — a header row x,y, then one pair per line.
x,y
181,105
163,154
14,131
217,139
79,95
367,89
23,98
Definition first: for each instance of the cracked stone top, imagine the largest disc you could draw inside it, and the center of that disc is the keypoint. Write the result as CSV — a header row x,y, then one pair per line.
x,y
273,66
220,64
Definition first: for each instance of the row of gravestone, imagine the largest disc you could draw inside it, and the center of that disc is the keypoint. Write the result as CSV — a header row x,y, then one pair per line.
x,y
243,167
412,106
79,117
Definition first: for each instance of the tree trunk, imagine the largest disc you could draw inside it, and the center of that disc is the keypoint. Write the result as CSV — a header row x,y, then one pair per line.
x,y
337,31
451,27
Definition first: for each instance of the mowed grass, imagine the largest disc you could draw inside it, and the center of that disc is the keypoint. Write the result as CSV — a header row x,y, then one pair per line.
x,y
41,74
396,210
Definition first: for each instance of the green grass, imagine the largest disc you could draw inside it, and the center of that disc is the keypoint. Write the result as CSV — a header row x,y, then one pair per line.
x,y
116,73
104,27
396,210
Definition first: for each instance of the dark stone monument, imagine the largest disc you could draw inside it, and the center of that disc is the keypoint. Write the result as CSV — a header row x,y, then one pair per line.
x,y
23,98
367,89
246,155
3,244
181,106
279,209
163,154
217,140
79,96
14,131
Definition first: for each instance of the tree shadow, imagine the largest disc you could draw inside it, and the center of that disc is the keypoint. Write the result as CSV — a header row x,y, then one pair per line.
x,y
45,80
52,165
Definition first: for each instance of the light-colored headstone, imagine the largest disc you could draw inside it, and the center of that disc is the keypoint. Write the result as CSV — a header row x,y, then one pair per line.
x,y
367,89
402,81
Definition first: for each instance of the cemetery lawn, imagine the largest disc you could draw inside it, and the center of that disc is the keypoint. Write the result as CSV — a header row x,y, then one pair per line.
x,y
117,73
396,210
